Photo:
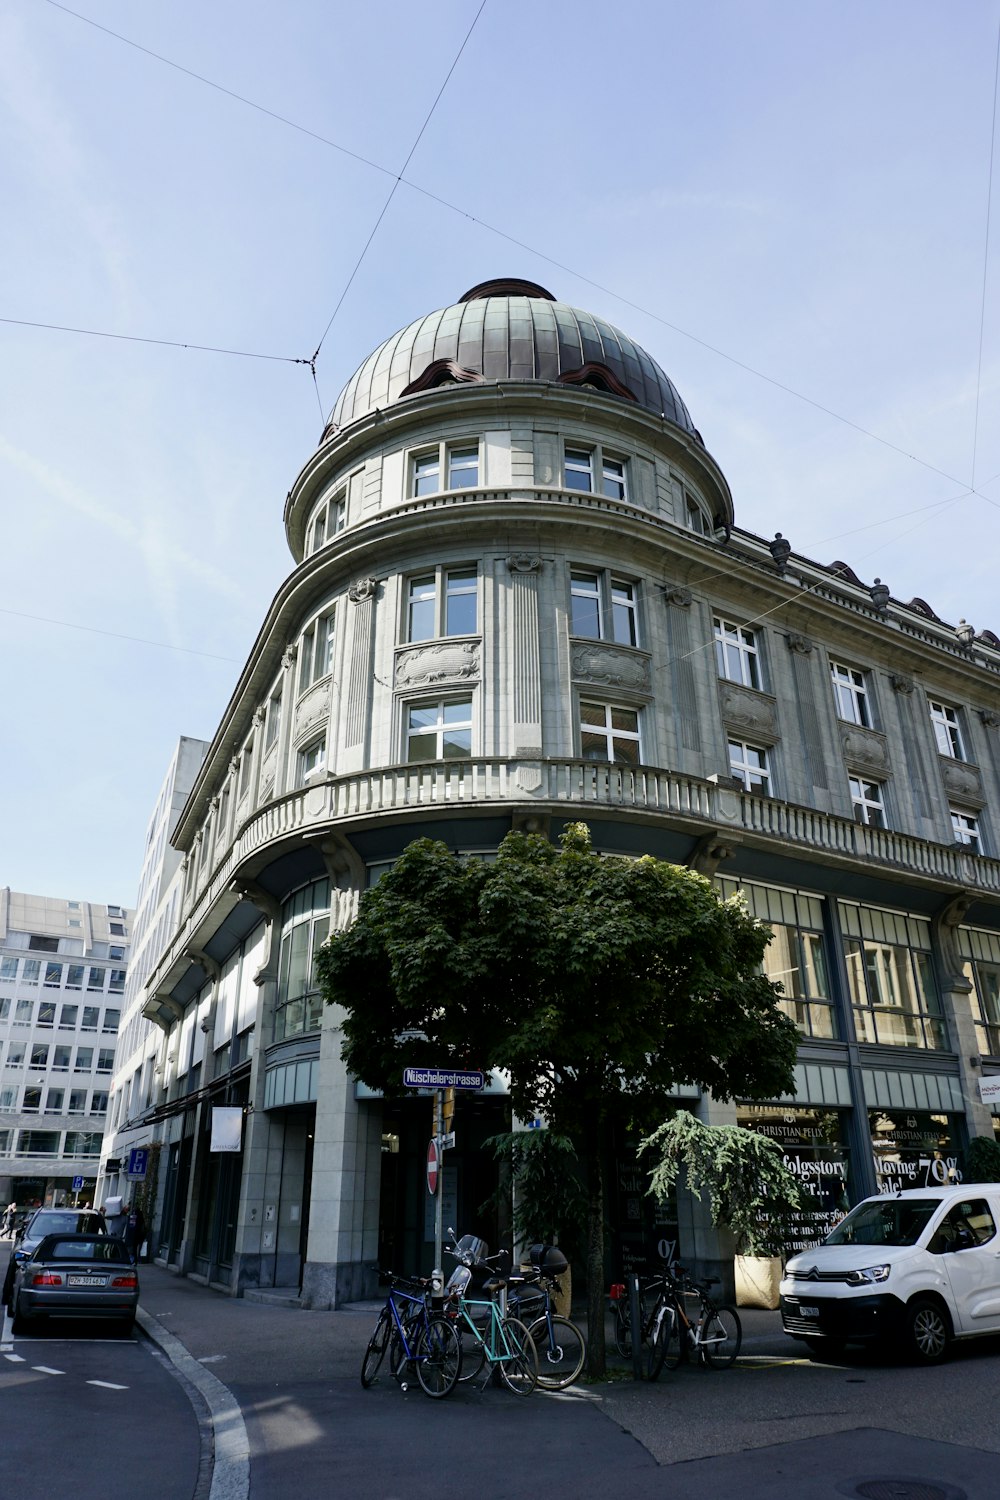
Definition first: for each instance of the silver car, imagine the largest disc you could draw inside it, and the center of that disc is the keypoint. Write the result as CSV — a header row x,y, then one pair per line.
x,y
48,1221
76,1276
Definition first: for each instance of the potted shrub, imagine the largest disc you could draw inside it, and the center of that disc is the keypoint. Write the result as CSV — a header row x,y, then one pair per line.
x,y
549,1203
982,1160
750,1192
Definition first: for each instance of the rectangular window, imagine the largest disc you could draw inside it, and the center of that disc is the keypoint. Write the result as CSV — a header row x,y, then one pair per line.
x,y
15,1054
316,651
8,1100
850,694
442,603
47,1014
53,976
613,478
68,1017
116,929
77,1101
965,829
83,1143
116,952
311,762
603,607
578,470
43,944
112,1020
8,968
439,731
37,1143
947,731
273,722
246,766
99,1102
116,911
39,1056
30,971
609,733
580,465
24,1012
32,1102
695,517
748,763
891,979
90,1017
427,473
105,1059
867,801
74,977
60,1059
54,1100
84,1060
736,653
117,981
463,468
95,981
985,1000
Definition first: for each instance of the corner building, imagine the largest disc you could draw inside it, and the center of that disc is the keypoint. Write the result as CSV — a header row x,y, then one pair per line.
x,y
519,599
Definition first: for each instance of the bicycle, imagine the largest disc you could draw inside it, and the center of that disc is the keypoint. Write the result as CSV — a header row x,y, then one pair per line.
x,y
498,1341
560,1345
429,1342
714,1339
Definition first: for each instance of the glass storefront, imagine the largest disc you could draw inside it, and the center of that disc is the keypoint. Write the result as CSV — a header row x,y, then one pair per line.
x,y
912,1149
981,967
305,924
796,955
891,978
814,1148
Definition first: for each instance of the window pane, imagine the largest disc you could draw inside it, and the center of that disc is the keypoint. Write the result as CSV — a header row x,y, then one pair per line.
x,y
67,1017
463,468
420,718
74,977
90,1015
421,612
421,747
427,475
53,975
95,979
623,613
614,479
578,470
29,973
460,602
585,605
626,752
457,743
593,746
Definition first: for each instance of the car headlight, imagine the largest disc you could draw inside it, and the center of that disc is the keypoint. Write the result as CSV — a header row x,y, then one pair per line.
x,y
868,1275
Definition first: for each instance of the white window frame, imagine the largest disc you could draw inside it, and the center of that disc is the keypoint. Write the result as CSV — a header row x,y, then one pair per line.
x,y
311,761
444,583
966,829
947,730
327,520
440,728
617,598
755,775
868,801
850,692
272,722
737,653
596,717
435,464
316,645
696,517
587,463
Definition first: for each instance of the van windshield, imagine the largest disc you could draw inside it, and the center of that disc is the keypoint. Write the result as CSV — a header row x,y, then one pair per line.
x,y
891,1221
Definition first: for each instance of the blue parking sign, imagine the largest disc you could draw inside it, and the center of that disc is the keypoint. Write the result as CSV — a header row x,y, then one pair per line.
x,y
77,1184
138,1160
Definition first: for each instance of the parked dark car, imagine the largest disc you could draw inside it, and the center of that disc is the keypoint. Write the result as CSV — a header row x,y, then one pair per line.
x,y
49,1221
75,1276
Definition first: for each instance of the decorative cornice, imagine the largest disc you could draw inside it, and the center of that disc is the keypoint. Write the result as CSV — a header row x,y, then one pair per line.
x,y
612,666
312,707
362,589
443,661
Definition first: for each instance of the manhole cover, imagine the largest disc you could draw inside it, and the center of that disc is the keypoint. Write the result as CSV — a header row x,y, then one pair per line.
x,y
904,1489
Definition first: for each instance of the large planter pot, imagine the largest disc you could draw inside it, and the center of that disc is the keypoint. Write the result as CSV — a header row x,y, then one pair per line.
x,y
757,1280
561,1301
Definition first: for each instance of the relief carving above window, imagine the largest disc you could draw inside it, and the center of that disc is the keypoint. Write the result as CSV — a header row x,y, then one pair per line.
x,y
444,661
607,665
963,781
865,747
748,709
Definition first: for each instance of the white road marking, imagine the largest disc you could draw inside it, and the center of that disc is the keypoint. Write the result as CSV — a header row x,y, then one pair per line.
x,y
47,1370
210,1359
15,1359
108,1385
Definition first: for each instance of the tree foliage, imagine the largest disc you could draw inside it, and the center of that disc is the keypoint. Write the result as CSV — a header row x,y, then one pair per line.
x,y
750,1190
982,1160
596,982
549,1201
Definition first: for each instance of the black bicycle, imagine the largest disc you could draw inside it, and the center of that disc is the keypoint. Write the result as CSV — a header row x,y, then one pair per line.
x,y
561,1346
711,1333
422,1340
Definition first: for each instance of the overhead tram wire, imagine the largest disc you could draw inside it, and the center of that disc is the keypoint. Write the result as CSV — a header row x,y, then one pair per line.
x,y
117,635
986,261
135,338
510,240
395,185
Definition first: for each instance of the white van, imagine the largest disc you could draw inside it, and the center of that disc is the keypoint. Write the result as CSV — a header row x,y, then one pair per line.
x,y
917,1269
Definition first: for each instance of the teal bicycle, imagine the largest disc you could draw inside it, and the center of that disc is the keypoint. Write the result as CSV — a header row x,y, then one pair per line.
x,y
492,1340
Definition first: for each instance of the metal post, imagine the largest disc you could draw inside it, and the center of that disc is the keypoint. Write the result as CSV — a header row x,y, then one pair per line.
x,y
635,1322
437,1275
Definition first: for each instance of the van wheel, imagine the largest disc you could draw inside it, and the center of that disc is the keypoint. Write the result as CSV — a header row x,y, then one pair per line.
x,y
927,1331
820,1349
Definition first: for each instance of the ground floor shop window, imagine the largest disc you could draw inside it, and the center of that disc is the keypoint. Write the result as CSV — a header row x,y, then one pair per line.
x,y
912,1150
796,955
814,1147
891,978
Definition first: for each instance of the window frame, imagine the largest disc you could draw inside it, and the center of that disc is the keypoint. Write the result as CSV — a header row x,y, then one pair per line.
x,y
440,593
440,728
605,471
964,835
948,734
333,507
732,649
761,774
435,461
863,804
316,648
850,686
304,773
609,730
610,608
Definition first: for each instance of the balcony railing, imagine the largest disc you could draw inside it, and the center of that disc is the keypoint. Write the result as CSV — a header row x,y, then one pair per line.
x,y
579,788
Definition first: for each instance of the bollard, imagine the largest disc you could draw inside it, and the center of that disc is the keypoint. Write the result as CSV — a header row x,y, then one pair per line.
x,y
635,1323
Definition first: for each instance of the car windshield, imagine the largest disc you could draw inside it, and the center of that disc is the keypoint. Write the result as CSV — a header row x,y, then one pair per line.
x,y
890,1221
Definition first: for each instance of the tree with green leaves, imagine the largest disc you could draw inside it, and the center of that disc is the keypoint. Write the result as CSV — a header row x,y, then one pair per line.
x,y
596,982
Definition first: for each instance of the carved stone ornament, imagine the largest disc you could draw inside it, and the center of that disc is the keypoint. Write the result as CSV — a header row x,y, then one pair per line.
x,y
529,777
234,765
362,589
962,780
680,597
445,661
313,706
749,710
990,718
615,668
901,683
289,655
864,748
799,643
258,715
524,562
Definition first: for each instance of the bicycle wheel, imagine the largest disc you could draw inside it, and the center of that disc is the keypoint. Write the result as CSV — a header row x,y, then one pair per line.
x,y
560,1359
377,1345
439,1358
623,1330
519,1367
721,1337
665,1346
473,1352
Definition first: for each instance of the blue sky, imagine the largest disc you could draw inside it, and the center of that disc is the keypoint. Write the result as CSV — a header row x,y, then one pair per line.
x,y
798,189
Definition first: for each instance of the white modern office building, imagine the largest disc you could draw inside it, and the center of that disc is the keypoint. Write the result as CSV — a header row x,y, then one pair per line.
x,y
63,967
519,597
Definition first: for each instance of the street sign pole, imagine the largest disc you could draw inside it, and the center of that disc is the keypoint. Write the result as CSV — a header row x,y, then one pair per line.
x,y
437,1275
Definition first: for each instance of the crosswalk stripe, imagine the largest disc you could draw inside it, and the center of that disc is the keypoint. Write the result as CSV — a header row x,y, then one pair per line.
x,y
15,1359
108,1385
47,1370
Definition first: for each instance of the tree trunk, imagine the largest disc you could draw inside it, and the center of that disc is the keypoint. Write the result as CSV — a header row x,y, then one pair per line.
x,y
595,1250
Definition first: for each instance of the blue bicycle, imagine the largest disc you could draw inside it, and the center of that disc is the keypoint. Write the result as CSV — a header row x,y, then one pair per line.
x,y
420,1339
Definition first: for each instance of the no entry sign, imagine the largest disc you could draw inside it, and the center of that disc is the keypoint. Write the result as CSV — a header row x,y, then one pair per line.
x,y
433,1166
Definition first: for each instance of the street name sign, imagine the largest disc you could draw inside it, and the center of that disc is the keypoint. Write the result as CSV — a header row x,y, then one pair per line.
x,y
443,1078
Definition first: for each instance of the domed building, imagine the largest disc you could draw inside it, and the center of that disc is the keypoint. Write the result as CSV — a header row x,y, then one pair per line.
x,y
519,600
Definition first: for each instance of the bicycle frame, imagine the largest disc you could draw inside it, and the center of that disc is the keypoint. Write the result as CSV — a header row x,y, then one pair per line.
x,y
490,1346
409,1355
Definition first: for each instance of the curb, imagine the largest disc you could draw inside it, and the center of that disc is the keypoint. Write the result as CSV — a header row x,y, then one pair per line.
x,y
231,1459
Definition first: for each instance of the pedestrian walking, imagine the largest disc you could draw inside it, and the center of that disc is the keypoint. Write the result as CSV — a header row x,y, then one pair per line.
x,y
135,1231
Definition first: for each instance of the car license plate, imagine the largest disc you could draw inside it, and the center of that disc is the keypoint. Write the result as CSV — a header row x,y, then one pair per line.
x,y
86,1280
808,1312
